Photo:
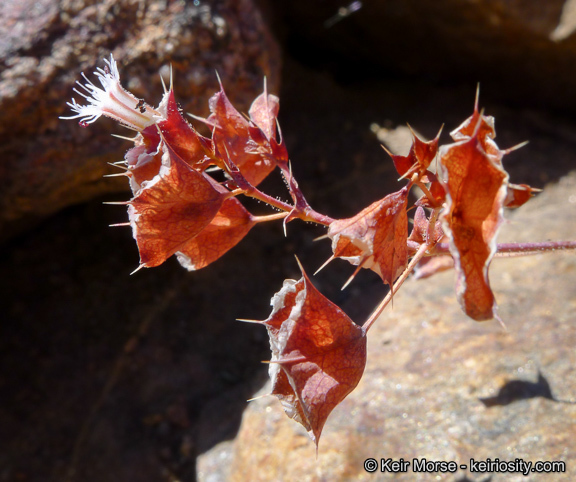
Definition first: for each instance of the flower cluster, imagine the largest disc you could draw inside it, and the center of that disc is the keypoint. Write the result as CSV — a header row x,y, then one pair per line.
x,y
180,207
112,100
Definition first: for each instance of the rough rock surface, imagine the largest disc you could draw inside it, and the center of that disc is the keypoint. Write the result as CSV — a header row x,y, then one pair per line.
x,y
44,45
443,387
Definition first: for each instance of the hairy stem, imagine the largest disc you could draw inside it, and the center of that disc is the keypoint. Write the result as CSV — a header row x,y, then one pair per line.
x,y
265,198
516,249
535,248
307,214
302,209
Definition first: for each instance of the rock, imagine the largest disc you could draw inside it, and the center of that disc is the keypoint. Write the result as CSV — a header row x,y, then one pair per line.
x,y
48,163
441,386
521,50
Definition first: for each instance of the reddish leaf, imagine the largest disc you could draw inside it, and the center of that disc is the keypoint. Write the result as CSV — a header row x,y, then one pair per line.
x,y
475,184
421,231
403,164
190,146
419,158
375,238
518,194
420,228
226,230
425,152
171,209
318,354
437,191
264,111
428,267
245,144
477,125
144,160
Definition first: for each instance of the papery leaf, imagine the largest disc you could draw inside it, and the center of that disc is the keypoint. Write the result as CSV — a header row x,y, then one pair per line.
x,y
428,267
144,159
425,151
318,354
190,146
171,209
375,238
475,185
403,164
421,231
477,125
226,230
235,137
421,154
264,111
518,194
420,227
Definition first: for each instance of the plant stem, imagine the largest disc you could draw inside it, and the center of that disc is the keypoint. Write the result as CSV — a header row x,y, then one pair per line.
x,y
306,214
380,308
302,209
265,198
535,248
516,249
427,193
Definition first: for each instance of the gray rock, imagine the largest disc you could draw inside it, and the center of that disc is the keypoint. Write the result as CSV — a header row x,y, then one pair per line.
x,y
441,386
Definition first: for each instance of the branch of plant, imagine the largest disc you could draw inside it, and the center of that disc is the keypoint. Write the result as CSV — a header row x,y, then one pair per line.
x,y
301,209
427,193
514,249
384,303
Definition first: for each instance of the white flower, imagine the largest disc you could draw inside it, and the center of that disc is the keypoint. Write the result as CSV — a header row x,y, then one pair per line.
x,y
112,100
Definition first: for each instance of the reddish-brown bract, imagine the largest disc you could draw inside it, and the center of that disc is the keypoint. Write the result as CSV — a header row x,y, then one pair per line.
x,y
418,159
143,161
190,146
518,194
318,354
172,209
179,209
240,140
375,238
226,230
264,112
475,185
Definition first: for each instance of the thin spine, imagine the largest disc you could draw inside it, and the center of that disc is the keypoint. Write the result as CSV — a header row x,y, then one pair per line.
x,y
380,308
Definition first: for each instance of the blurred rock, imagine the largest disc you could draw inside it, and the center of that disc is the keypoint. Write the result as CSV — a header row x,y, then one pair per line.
x,y
48,163
441,386
520,50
